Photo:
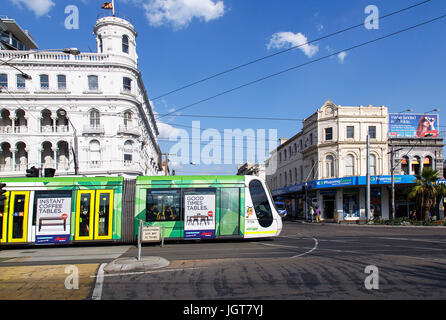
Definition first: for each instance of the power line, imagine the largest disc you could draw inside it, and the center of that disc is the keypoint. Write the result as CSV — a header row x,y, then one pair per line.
x,y
282,51
232,117
303,64
234,135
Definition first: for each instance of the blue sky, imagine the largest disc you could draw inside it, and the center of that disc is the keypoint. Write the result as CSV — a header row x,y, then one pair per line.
x,y
181,41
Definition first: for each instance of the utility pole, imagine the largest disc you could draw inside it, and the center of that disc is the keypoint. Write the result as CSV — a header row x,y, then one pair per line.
x,y
392,172
367,210
166,168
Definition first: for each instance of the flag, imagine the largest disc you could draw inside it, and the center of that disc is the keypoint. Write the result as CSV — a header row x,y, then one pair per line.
x,y
107,5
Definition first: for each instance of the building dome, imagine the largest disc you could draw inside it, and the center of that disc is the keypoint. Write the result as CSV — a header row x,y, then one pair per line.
x,y
116,36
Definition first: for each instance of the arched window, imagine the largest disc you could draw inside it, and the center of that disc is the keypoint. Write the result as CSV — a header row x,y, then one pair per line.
x,y
46,122
5,157
21,157
427,163
95,118
47,155
372,165
349,165
21,123
405,165
330,166
101,49
285,179
416,163
95,153
125,44
128,119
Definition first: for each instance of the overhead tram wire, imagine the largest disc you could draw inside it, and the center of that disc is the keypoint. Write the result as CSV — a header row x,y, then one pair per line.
x,y
303,64
282,51
233,117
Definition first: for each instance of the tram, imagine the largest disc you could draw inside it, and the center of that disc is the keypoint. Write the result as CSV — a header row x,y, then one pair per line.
x,y
68,210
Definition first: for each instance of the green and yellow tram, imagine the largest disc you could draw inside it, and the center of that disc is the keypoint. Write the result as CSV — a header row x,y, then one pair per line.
x,y
64,210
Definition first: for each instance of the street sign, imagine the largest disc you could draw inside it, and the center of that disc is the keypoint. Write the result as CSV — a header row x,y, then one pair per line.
x,y
150,234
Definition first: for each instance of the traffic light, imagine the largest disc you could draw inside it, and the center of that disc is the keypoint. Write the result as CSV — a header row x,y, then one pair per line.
x,y
2,191
49,172
33,172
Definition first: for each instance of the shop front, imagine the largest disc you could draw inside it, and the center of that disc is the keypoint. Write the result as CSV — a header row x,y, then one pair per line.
x,y
350,204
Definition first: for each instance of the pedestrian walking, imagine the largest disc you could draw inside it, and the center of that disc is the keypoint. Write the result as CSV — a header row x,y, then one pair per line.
x,y
414,215
312,213
318,215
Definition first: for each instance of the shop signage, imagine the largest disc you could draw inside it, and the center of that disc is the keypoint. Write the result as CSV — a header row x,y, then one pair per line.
x,y
413,125
335,182
199,216
346,182
53,219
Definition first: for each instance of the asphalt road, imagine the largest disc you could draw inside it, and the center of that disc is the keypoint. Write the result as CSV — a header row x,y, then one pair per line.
x,y
308,261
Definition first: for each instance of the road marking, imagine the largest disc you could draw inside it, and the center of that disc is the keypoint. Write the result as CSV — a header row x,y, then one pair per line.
x,y
97,293
408,239
144,272
316,243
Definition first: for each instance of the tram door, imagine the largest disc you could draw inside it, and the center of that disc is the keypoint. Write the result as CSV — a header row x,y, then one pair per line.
x,y
15,217
4,219
94,215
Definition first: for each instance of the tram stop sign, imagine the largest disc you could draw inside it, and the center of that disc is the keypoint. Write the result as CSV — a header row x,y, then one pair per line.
x,y
150,234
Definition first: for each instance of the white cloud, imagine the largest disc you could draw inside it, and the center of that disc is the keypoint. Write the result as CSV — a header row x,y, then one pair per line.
x,y
281,40
320,27
179,13
166,130
341,56
39,7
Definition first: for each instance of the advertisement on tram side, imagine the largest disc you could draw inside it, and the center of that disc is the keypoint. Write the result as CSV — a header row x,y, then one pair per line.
x,y
199,216
53,216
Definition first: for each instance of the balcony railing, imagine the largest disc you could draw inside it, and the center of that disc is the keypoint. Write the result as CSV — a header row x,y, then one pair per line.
x,y
31,56
99,129
123,129
6,129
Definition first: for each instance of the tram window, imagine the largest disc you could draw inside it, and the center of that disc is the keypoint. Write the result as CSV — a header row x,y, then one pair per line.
x,y
2,215
261,203
104,214
163,205
18,216
84,219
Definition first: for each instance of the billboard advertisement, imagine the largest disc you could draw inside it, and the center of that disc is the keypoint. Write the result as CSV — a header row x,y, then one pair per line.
x,y
413,125
199,216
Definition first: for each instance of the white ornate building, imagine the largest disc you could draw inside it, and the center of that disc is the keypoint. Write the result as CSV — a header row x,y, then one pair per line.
x,y
93,105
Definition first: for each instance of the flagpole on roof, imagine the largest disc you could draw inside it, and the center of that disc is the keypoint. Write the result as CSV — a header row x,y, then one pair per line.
x,y
113,7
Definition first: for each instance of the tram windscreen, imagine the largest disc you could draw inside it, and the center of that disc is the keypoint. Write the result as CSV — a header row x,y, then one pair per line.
x,y
261,203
